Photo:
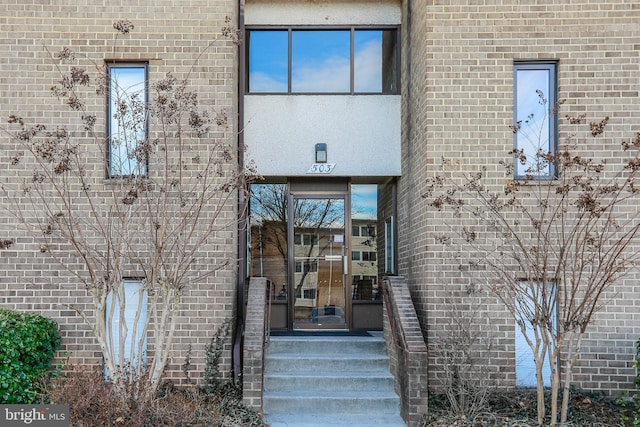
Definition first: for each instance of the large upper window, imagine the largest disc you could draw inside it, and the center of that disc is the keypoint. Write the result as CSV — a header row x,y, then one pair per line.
x,y
128,97
346,60
535,121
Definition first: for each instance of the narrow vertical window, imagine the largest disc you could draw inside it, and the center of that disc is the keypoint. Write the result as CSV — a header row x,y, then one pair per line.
x,y
128,98
535,123
389,247
375,61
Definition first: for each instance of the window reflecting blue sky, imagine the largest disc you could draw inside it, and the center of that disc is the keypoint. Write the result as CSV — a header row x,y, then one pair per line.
x,y
534,135
368,61
127,87
364,201
268,61
320,61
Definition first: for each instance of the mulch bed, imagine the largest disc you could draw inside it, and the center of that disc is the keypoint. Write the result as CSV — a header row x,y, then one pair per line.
x,y
517,408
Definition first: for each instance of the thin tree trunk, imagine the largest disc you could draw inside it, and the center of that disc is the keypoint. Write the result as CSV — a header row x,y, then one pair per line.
x,y
552,347
572,356
540,389
555,385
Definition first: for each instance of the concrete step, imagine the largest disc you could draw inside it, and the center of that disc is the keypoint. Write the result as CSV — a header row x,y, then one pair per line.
x,y
329,381
292,362
326,382
347,403
323,420
327,345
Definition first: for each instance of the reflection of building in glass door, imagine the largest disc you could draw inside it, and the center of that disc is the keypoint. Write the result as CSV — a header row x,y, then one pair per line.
x,y
364,244
318,252
306,270
268,237
335,273
364,265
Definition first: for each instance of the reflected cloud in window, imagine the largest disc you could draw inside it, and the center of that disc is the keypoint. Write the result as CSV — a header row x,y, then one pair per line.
x,y
323,61
268,61
535,96
364,201
128,119
368,61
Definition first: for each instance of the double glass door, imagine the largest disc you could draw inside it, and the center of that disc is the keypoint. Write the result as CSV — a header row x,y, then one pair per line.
x,y
319,261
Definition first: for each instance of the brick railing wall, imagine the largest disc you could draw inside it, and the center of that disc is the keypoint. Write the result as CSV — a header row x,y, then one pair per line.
x,y
254,338
407,349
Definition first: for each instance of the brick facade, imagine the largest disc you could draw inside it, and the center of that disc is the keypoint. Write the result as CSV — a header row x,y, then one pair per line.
x,y
172,37
458,103
457,91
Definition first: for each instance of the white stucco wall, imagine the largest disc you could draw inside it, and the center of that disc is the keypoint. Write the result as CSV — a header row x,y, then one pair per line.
x,y
362,133
325,12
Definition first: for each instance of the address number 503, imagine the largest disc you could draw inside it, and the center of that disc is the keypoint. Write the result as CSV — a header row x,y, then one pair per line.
x,y
321,168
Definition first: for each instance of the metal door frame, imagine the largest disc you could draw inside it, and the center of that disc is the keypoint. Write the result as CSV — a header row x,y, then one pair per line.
x,y
312,189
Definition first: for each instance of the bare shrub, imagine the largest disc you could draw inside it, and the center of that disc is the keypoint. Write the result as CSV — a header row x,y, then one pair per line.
x,y
463,351
151,205
552,251
95,402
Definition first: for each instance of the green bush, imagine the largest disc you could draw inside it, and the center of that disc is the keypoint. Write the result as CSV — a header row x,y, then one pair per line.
x,y
27,345
635,419
637,365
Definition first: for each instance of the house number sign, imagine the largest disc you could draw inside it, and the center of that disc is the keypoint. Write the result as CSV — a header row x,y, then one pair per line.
x,y
320,168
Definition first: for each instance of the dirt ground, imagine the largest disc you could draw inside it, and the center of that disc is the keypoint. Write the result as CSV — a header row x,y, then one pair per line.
x,y
518,409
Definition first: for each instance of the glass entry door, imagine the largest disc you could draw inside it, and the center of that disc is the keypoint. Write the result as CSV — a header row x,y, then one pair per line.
x,y
318,254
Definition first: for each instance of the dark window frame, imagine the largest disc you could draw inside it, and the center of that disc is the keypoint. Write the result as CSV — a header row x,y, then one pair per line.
x,y
550,66
369,256
310,293
395,85
110,65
